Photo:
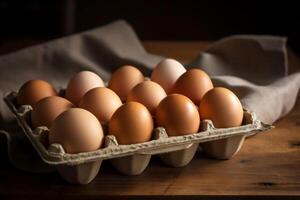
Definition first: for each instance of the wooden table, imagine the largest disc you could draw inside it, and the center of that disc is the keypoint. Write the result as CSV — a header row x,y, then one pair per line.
x,y
268,165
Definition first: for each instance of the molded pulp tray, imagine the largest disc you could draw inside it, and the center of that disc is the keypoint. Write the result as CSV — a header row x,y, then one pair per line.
x,y
82,168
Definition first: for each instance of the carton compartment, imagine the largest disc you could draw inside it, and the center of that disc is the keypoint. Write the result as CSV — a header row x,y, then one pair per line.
x,y
228,147
82,168
131,165
80,174
224,148
180,158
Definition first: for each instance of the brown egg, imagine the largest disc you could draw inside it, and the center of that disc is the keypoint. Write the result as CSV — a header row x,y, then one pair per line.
x,y
81,83
147,93
77,130
194,83
34,90
166,73
222,107
178,115
102,102
131,123
124,79
47,109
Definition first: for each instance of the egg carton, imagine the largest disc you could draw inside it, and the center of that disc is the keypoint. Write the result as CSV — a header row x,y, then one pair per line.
x,y
178,151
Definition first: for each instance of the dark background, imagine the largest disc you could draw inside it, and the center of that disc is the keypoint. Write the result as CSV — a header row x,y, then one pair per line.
x,y
36,21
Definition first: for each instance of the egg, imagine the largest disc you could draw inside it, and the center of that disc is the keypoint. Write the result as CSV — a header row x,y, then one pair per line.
x,y
222,107
34,90
81,83
77,130
131,123
147,93
194,83
102,102
178,115
47,109
124,79
166,73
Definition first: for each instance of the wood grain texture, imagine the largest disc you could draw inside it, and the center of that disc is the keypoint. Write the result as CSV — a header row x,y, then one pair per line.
x,y
268,165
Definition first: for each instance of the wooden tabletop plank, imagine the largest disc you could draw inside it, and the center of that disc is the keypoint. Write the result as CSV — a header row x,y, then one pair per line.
x,y
267,165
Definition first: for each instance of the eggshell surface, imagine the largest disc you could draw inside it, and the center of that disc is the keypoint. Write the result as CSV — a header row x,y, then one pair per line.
x,y
131,123
147,93
102,102
222,107
77,130
81,83
124,79
34,90
166,73
194,83
178,115
47,109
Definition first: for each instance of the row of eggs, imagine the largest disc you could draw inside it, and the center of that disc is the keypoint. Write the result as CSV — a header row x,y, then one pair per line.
x,y
131,106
